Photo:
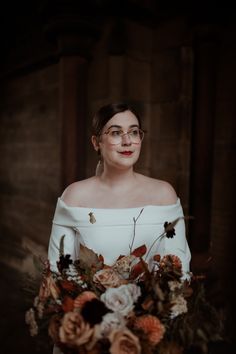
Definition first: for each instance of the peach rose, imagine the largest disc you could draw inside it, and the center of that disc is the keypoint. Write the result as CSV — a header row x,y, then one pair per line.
x,y
123,342
124,264
108,278
74,331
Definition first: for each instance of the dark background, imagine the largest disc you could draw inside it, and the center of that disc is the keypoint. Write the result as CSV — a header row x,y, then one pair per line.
x,y
60,61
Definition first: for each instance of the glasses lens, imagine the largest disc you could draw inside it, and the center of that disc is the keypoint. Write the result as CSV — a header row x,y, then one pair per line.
x,y
115,136
136,135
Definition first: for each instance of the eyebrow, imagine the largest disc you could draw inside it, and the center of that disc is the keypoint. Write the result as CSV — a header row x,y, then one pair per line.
x,y
120,127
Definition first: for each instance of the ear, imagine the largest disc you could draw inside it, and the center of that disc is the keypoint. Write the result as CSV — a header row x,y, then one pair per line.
x,y
95,142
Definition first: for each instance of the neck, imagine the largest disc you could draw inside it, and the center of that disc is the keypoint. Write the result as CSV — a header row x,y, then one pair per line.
x,y
118,178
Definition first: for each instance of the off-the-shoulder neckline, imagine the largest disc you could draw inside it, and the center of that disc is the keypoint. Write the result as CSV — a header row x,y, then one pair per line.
x,y
117,209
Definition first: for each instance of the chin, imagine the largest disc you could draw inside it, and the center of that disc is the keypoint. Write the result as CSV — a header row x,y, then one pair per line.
x,y
127,163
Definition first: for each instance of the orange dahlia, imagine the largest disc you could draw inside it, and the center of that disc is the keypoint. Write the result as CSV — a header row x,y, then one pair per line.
x,y
174,260
152,327
81,299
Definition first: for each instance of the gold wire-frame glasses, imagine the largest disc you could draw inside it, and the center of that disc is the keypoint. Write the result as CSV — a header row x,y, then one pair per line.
x,y
115,135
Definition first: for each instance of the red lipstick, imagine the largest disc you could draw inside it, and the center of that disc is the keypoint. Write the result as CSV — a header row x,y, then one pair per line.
x,y
126,153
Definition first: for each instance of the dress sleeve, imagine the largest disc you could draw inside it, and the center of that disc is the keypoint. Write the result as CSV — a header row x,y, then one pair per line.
x,y
62,226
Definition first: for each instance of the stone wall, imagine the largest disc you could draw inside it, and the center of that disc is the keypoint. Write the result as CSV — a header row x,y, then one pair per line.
x,y
30,163
224,175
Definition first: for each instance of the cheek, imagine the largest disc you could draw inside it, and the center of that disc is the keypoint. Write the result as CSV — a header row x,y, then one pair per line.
x,y
138,149
107,150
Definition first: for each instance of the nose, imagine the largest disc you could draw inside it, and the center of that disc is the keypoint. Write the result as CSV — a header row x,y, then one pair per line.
x,y
126,139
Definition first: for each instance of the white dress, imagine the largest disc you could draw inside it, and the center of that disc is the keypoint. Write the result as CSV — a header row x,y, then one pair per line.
x,y
112,231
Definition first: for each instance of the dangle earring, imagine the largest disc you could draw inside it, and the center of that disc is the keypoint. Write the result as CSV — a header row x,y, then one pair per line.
x,y
99,167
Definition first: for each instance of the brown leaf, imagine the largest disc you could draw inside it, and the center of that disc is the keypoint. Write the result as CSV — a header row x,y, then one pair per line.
x,y
136,270
88,257
139,251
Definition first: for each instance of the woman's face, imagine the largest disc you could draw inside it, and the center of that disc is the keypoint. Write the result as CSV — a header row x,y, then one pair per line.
x,y
117,148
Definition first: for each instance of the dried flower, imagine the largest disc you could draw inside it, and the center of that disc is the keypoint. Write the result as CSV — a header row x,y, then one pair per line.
x,y
124,264
108,278
30,320
48,288
92,308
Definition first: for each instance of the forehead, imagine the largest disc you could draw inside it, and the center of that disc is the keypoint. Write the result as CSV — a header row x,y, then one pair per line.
x,y
123,119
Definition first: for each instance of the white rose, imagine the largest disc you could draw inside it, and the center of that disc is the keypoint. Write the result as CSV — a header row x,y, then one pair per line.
x,y
134,290
118,299
111,321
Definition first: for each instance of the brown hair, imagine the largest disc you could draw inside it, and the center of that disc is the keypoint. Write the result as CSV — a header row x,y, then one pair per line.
x,y
105,113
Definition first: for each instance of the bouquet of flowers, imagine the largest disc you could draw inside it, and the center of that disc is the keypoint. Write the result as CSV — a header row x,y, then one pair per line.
x,y
90,307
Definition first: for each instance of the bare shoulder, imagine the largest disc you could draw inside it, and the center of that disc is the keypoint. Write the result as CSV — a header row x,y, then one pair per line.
x,y
159,192
75,193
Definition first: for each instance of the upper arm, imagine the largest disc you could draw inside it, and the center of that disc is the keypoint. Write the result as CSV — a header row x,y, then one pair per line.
x,y
162,193
70,194
168,194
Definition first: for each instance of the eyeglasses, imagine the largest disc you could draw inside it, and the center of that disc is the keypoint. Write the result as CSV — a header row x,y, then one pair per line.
x,y
115,136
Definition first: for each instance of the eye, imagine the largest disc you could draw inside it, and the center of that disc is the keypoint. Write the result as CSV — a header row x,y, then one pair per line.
x,y
134,132
115,133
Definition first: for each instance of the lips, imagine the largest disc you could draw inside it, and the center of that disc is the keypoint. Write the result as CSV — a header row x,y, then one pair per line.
x,y
126,153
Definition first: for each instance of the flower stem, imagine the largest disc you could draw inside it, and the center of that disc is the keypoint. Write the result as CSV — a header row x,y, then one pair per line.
x,y
135,221
168,228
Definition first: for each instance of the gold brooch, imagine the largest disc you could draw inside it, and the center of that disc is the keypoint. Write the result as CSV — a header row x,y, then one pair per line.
x,y
91,218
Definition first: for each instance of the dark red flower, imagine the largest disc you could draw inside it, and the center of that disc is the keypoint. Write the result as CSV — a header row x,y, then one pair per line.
x,y
170,231
64,262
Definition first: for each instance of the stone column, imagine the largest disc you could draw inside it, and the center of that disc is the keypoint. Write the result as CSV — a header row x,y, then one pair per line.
x,y
74,36
204,95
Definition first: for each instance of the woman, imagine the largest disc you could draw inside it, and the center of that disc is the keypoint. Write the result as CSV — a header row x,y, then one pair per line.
x,y
99,212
